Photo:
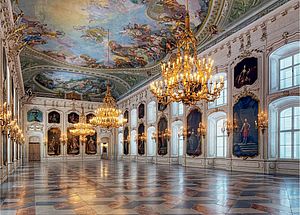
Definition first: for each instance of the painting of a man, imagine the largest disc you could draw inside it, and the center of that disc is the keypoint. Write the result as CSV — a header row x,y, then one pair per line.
x,y
245,131
245,137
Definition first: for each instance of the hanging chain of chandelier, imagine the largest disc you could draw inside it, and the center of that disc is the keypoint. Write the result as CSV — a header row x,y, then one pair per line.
x,y
186,78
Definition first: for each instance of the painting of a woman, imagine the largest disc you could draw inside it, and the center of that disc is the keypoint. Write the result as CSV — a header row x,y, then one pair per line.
x,y
91,145
245,72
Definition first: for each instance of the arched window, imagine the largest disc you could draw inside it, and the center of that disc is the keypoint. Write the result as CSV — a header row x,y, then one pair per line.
x,y
150,141
222,100
151,112
133,150
289,133
120,118
176,134
284,128
177,108
120,144
217,137
284,64
133,118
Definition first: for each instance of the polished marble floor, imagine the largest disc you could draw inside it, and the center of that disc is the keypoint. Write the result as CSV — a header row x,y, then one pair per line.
x,y
108,187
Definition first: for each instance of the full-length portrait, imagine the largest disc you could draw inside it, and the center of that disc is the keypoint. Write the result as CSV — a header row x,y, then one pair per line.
x,y
245,137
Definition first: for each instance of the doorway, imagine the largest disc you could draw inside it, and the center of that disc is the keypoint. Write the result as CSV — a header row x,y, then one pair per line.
x,y
34,151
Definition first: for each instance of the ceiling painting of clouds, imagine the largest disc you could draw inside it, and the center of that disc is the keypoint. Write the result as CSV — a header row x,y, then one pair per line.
x,y
59,83
141,32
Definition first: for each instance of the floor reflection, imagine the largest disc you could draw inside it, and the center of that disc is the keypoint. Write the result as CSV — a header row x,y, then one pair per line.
x,y
108,187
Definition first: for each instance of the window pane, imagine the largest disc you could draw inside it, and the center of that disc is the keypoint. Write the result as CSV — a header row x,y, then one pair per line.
x,y
220,152
133,118
180,108
297,144
286,78
297,75
296,58
286,119
220,124
286,62
174,108
285,145
296,117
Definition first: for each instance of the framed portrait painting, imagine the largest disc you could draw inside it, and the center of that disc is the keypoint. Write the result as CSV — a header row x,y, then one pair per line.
x,y
245,137
245,72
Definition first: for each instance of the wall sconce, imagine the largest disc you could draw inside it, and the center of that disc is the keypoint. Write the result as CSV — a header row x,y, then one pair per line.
x,y
142,137
202,129
166,134
63,138
183,132
262,121
128,139
82,139
13,129
229,126
154,136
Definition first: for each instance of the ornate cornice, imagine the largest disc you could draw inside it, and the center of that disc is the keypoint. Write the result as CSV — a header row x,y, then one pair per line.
x,y
245,22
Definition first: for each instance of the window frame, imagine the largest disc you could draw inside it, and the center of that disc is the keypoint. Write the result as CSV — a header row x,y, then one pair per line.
x,y
292,66
224,92
175,109
281,52
224,139
152,111
292,131
212,146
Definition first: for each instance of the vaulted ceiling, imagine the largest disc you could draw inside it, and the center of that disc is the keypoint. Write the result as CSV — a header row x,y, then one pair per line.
x,y
75,45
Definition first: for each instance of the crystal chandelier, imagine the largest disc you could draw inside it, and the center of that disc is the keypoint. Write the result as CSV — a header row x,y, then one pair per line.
x,y
108,115
186,78
82,129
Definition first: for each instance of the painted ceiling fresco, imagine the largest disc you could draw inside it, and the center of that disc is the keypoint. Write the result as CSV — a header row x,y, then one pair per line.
x,y
68,47
57,83
141,32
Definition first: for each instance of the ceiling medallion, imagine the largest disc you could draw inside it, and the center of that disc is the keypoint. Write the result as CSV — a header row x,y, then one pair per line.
x,y
186,78
108,115
82,129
